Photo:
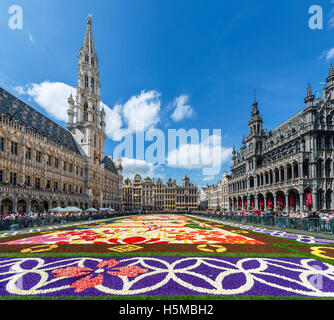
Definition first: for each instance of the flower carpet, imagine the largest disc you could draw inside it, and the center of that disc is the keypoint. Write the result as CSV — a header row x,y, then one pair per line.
x,y
164,255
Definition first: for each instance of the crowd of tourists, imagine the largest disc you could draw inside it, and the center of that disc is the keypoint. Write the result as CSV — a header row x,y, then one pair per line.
x,y
273,213
18,220
314,221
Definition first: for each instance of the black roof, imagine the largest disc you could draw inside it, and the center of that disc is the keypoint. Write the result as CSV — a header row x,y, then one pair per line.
x,y
19,111
109,165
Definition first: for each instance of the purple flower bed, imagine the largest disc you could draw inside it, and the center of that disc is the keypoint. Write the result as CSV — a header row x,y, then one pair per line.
x,y
165,276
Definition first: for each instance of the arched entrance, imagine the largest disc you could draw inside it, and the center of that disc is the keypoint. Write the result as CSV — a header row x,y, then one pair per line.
x,y
235,203
261,202
34,206
95,204
270,201
54,204
246,203
252,202
293,196
22,206
308,201
45,205
62,204
7,206
280,200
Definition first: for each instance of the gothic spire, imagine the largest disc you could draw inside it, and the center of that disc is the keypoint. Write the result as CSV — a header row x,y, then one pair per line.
x,y
309,96
255,111
330,79
87,113
309,90
88,44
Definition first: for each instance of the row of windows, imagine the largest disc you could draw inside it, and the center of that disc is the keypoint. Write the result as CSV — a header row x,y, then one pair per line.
x,y
38,157
182,191
37,183
13,146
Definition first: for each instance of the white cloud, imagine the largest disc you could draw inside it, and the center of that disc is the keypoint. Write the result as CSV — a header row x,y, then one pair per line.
x,y
144,168
51,96
209,178
328,54
31,39
199,155
20,90
142,109
114,122
140,112
182,109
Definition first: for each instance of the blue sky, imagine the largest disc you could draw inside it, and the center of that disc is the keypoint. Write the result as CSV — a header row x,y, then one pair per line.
x,y
204,56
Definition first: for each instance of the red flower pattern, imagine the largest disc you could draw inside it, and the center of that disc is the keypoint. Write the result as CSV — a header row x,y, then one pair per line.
x,y
93,277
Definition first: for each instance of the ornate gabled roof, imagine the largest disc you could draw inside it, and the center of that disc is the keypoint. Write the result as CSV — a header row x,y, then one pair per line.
x,y
18,111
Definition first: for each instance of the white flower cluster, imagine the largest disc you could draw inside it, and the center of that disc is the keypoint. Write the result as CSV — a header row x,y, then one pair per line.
x,y
202,275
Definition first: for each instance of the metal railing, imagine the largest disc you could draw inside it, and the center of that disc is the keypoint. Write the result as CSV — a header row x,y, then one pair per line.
x,y
316,225
23,222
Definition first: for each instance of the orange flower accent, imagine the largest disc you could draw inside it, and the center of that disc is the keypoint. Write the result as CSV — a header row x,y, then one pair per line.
x,y
70,272
87,282
92,279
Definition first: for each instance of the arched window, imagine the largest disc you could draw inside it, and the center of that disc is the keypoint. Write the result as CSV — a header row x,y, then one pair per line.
x,y
329,119
328,167
86,81
86,112
320,168
320,198
93,83
328,199
327,142
86,58
93,62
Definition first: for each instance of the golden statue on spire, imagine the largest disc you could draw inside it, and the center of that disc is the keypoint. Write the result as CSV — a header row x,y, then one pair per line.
x,y
89,21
